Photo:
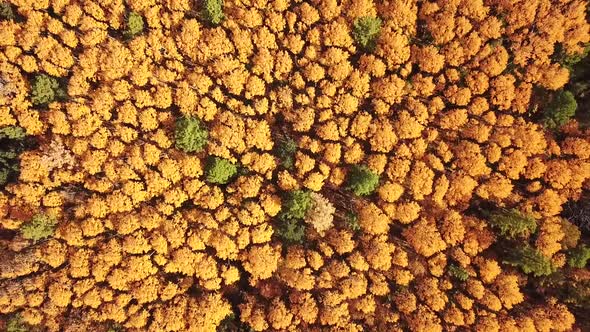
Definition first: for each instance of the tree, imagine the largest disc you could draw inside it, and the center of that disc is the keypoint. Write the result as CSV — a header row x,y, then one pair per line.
x,y
190,134
351,220
362,181
16,324
11,145
579,256
220,170
458,272
135,25
296,205
213,11
45,89
41,226
285,150
530,260
512,223
560,110
291,231
6,11
366,31
321,213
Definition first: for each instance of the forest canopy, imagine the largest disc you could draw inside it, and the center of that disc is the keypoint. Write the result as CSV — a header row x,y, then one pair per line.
x,y
288,165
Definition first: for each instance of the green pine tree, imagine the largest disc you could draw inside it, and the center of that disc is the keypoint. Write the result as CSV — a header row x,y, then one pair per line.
x,y
529,260
291,231
579,256
458,272
6,11
213,11
190,134
220,170
46,89
135,25
40,227
560,110
365,31
512,223
362,181
296,205
285,150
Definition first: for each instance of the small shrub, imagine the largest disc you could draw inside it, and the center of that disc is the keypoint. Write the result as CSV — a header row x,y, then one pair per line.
x,y
529,260
16,324
213,11
6,12
285,151
219,170
291,231
362,181
366,31
579,256
190,134
45,89
296,205
512,223
458,272
560,110
39,227
135,25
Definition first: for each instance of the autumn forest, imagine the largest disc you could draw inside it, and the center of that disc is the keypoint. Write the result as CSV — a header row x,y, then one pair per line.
x,y
294,165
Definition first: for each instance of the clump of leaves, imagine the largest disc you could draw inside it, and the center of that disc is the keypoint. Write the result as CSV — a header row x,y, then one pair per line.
x,y
296,205
529,260
16,324
571,236
6,11
458,272
569,60
362,181
366,31
220,170
512,223
46,89
190,134
560,110
579,256
135,25
213,11
41,226
285,150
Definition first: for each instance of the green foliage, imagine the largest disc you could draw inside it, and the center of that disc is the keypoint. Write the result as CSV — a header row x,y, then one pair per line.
x,y
458,272
569,60
6,12
296,205
291,231
41,226
529,260
571,234
213,11
9,166
16,324
12,132
285,150
362,181
45,89
579,256
352,221
190,134
219,170
366,31
560,110
512,223
11,145
135,25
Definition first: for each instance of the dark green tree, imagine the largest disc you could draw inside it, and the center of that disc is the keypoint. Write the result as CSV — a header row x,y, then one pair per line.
x,y
296,205
291,231
134,24
213,11
352,221
512,223
16,324
285,151
560,110
458,272
579,256
220,170
365,31
362,181
529,260
190,134
6,11
45,89
11,145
